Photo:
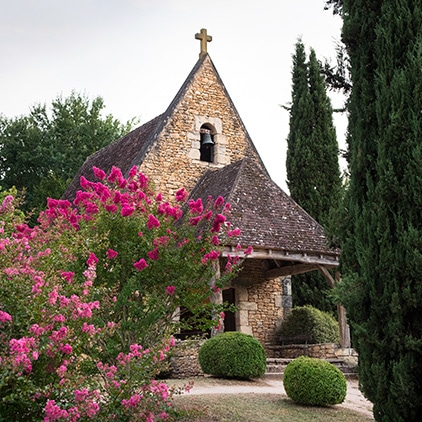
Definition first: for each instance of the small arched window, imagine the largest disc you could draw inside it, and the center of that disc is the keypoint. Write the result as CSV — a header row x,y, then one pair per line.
x,y
207,144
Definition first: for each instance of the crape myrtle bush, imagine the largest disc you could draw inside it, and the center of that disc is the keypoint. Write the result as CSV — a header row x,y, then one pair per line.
x,y
233,355
314,382
82,290
319,326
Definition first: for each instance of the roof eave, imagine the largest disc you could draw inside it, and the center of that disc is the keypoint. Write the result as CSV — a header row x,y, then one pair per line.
x,y
326,258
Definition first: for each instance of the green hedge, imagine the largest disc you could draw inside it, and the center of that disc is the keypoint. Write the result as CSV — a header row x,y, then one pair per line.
x,y
233,355
316,325
314,382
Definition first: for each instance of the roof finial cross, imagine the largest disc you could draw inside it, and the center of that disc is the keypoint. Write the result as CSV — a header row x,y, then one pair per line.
x,y
204,39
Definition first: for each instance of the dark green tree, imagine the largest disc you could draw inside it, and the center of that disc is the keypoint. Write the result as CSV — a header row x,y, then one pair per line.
x,y
382,239
312,163
301,114
40,153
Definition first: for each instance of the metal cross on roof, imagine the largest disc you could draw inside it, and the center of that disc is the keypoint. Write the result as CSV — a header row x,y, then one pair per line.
x,y
204,39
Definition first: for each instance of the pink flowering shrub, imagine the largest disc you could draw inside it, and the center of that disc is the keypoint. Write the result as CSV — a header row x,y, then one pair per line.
x,y
81,291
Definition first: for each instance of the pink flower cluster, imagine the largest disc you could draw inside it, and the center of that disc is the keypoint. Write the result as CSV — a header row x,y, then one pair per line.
x,y
181,195
213,256
86,407
7,204
141,264
5,317
128,195
22,353
218,221
51,336
132,402
170,290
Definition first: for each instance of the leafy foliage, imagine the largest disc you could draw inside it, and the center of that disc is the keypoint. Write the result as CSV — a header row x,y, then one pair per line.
x,y
336,5
81,291
314,382
318,326
233,355
338,77
41,153
381,241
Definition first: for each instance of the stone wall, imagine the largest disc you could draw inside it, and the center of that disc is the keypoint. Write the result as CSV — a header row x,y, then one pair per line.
x,y
321,351
262,304
184,360
174,161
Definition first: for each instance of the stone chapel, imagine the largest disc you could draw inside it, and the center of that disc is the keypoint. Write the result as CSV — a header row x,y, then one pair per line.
x,y
201,143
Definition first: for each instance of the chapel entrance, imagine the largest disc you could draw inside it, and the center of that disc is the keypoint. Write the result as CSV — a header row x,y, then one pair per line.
x,y
229,319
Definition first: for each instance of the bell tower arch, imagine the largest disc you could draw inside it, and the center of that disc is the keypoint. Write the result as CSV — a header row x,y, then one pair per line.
x,y
208,143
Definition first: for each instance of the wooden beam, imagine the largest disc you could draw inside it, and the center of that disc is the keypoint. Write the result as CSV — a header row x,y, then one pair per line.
x,y
327,275
290,270
327,260
344,328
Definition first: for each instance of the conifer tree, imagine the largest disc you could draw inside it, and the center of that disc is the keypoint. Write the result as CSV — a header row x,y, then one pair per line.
x,y
300,116
312,163
382,242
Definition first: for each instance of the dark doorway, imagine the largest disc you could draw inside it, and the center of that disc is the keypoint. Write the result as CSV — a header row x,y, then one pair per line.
x,y
230,319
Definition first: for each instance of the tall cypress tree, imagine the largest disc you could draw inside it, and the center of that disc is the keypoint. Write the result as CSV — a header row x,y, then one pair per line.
x,y
312,163
301,113
382,245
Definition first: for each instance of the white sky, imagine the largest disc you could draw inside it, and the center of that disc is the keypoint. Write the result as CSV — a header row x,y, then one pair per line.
x,y
137,53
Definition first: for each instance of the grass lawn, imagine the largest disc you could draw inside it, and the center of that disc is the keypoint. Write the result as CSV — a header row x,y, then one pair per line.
x,y
253,407
249,404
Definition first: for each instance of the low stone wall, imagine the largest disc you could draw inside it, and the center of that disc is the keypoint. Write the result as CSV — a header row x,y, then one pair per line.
x,y
321,351
184,361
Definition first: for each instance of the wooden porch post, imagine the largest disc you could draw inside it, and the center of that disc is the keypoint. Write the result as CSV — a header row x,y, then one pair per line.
x,y
344,328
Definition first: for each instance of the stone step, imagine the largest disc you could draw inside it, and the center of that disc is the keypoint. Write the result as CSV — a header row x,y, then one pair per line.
x,y
276,366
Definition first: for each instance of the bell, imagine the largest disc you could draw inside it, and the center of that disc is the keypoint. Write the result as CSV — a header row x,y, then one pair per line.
x,y
206,140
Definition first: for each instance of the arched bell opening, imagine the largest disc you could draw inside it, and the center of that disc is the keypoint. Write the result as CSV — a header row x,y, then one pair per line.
x,y
207,144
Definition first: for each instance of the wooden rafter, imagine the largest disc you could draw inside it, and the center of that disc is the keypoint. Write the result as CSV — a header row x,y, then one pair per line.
x,y
327,275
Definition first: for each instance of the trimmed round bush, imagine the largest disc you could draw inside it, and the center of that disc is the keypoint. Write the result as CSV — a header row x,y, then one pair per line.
x,y
318,326
314,382
233,355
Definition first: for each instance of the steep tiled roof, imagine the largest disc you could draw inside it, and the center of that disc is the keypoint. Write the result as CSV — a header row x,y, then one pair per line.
x,y
132,148
268,218
122,153
266,215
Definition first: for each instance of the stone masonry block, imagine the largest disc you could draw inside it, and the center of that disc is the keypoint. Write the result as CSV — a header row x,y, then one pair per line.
x,y
243,317
241,294
246,329
248,306
220,139
194,154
